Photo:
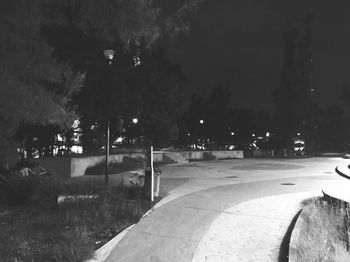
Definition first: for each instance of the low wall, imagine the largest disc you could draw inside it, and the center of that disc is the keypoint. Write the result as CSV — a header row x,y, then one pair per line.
x,y
76,166
262,153
203,155
227,154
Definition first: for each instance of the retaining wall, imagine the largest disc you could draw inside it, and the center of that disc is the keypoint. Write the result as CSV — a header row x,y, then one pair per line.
x,y
201,155
76,166
227,154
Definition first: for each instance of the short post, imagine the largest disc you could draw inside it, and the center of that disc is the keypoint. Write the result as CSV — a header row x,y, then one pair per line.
x,y
107,154
156,184
152,175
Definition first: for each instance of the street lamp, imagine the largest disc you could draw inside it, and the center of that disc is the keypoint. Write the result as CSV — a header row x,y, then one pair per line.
x,y
109,54
135,120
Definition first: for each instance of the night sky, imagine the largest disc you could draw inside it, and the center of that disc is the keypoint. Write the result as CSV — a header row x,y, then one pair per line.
x,y
239,43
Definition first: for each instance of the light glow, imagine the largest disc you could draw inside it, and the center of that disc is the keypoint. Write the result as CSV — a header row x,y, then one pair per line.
x,y
60,138
109,54
76,149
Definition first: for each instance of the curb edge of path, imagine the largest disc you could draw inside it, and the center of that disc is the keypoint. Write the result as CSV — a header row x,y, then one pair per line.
x,y
102,253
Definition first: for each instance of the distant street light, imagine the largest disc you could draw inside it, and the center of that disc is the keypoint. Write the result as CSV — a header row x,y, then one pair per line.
x,y
201,121
232,133
135,120
109,54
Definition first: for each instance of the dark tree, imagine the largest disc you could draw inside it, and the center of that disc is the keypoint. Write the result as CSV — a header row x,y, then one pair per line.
x,y
242,121
217,115
263,123
293,104
334,129
159,99
35,87
45,42
191,130
344,97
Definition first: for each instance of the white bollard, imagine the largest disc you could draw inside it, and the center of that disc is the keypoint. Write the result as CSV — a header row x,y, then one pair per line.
x,y
156,184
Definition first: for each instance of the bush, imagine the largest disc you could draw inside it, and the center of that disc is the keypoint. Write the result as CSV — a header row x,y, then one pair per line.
x,y
33,190
127,164
81,187
324,235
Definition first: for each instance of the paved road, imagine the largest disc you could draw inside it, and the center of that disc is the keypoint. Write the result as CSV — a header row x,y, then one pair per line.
x,y
231,210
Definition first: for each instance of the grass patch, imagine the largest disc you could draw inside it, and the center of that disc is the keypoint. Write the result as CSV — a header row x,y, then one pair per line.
x,y
69,232
324,235
127,164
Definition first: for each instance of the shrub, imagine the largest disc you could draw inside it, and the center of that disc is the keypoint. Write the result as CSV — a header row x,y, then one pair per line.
x,y
32,190
81,187
324,236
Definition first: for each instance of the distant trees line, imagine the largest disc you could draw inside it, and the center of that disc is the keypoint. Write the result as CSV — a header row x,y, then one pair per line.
x,y
225,125
203,123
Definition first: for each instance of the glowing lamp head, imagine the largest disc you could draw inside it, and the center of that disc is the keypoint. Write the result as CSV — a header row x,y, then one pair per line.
x,y
135,120
201,121
109,54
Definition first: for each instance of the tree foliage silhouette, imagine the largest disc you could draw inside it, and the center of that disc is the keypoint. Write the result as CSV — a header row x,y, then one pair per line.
x,y
39,77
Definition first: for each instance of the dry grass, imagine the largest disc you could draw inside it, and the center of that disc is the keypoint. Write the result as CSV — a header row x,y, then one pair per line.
x,y
324,236
69,232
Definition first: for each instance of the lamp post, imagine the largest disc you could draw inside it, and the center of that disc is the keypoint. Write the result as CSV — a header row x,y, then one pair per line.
x,y
109,54
201,122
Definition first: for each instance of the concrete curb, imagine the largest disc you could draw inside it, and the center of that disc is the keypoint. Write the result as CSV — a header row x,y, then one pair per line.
x,y
294,238
102,253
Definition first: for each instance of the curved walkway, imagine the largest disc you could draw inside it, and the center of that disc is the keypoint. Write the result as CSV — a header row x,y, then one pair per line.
x,y
193,224
250,231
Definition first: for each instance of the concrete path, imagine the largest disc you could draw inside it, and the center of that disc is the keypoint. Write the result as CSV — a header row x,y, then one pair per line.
x,y
253,222
236,210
